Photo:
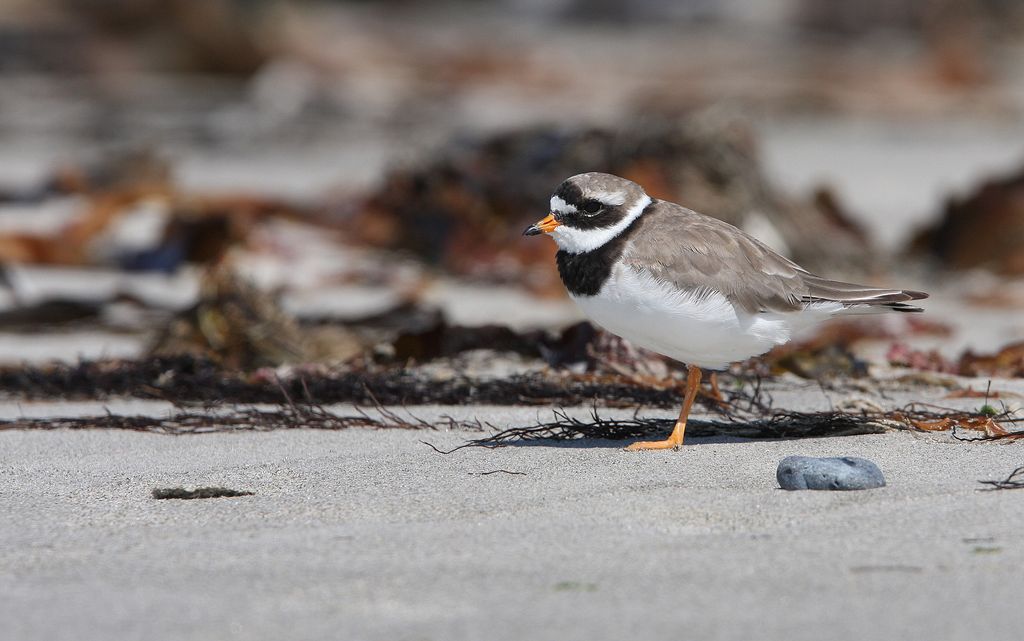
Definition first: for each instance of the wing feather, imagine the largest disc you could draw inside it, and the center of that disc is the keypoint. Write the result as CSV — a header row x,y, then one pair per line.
x,y
698,253
693,252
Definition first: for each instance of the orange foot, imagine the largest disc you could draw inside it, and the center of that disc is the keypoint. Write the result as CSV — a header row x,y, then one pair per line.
x,y
675,439
668,444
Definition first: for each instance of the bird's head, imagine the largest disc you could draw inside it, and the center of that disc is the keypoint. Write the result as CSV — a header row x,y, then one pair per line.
x,y
590,209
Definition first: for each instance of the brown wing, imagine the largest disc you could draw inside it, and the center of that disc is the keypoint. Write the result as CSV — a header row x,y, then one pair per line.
x,y
701,254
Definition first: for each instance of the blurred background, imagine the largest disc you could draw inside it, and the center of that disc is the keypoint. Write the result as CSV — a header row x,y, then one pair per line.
x,y
267,183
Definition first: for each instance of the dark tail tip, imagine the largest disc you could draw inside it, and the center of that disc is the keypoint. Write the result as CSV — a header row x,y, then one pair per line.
x,y
903,307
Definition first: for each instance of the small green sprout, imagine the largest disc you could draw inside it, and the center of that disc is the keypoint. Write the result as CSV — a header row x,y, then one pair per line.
x,y
987,410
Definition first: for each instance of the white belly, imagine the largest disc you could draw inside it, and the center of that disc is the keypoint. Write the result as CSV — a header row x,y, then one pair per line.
x,y
706,331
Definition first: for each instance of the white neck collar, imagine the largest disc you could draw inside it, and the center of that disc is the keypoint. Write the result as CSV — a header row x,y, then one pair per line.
x,y
579,241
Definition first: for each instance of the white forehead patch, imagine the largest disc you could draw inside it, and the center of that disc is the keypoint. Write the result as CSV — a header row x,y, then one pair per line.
x,y
562,207
578,241
612,198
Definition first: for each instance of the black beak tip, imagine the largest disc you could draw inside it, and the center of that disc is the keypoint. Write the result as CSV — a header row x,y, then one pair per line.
x,y
532,230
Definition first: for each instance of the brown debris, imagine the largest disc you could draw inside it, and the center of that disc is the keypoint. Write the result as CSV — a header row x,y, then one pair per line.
x,y
112,184
814,360
234,324
582,344
983,230
466,210
985,424
901,355
441,340
187,378
613,354
200,229
30,318
970,392
828,204
214,36
828,353
1008,362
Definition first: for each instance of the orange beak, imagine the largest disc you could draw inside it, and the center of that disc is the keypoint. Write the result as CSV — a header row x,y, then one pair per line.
x,y
544,226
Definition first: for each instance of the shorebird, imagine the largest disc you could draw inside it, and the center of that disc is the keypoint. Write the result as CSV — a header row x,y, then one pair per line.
x,y
685,285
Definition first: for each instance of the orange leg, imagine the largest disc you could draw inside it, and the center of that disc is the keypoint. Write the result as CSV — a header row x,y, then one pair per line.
x,y
675,439
715,393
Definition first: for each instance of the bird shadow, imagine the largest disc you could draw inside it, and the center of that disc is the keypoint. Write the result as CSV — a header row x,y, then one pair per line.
x,y
619,444
569,433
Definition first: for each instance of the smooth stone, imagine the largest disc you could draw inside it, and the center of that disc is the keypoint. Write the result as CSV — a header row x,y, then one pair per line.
x,y
839,473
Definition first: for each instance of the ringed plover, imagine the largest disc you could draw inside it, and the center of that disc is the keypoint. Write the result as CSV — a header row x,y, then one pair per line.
x,y
685,285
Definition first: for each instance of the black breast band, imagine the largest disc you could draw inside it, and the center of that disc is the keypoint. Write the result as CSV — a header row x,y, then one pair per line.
x,y
584,274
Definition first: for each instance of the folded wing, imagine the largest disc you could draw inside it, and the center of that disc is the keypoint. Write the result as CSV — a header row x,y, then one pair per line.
x,y
702,255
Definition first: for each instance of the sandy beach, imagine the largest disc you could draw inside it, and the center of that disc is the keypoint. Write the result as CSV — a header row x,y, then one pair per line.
x,y
370,534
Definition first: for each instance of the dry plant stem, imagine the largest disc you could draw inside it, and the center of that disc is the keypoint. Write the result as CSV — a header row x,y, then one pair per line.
x,y
1015,481
675,439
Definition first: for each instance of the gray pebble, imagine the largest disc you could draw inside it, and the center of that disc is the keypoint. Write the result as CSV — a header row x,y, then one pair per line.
x,y
840,473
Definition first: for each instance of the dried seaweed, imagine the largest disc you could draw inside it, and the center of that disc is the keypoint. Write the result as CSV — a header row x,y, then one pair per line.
x,y
198,493
464,208
982,230
772,424
239,419
1014,481
214,418
200,422
780,425
234,323
196,379
748,414
1007,362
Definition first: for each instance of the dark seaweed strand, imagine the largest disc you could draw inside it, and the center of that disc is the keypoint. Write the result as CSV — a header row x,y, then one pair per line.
x,y
1015,481
192,380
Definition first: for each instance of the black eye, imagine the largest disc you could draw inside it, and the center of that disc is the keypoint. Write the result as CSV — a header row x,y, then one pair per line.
x,y
592,207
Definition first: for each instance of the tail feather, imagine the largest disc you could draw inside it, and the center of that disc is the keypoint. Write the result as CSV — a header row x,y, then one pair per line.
x,y
861,299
